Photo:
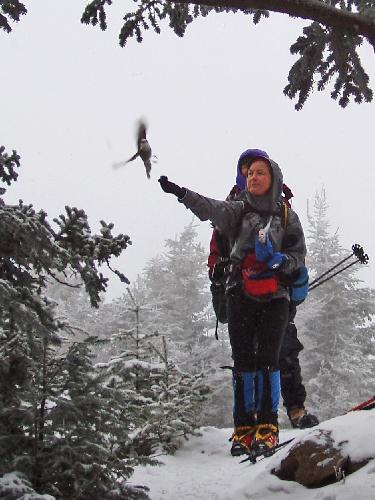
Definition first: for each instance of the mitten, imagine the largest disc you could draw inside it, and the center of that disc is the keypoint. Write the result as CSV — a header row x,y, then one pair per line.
x,y
263,251
275,261
170,187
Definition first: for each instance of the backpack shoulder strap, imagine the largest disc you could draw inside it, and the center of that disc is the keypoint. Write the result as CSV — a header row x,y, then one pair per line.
x,y
284,214
222,243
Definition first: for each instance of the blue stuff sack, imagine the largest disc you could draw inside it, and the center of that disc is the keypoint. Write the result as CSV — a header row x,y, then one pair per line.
x,y
300,286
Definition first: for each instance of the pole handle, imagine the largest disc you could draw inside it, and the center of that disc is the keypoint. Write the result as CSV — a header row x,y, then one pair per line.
x,y
360,253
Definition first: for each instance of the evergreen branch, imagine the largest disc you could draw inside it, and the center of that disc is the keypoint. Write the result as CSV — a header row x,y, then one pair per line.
x,y
323,12
94,13
132,297
335,24
162,356
8,165
342,60
12,11
70,285
122,276
361,22
108,464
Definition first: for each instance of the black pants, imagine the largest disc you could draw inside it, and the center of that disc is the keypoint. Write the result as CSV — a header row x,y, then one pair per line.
x,y
292,389
256,332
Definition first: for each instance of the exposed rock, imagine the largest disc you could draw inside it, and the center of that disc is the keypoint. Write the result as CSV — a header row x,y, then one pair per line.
x,y
317,461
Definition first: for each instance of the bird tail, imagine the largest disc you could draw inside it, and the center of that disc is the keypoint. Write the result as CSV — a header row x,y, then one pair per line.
x,y
148,168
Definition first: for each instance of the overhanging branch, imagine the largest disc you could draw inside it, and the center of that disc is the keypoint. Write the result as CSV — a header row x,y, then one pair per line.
x,y
313,10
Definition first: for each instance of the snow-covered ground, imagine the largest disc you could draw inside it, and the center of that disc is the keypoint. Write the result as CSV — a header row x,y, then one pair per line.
x,y
203,468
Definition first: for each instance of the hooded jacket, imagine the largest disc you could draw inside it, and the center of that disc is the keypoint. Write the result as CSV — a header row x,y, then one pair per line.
x,y
242,219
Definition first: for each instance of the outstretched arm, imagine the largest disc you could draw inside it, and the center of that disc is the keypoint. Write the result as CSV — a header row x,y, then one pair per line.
x,y
225,214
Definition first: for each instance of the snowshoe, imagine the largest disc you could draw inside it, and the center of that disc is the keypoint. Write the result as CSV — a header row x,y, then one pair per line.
x,y
300,419
255,454
242,439
266,439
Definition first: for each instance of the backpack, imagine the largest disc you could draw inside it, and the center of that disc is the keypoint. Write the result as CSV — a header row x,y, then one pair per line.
x,y
220,250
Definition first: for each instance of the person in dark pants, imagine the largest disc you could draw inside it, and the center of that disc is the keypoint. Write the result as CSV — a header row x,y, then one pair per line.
x,y
263,250
292,389
255,327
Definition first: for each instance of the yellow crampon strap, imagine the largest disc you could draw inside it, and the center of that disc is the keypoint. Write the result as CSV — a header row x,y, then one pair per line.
x,y
263,427
239,432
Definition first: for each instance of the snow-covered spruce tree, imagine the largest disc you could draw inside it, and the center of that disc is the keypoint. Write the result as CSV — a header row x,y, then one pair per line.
x,y
35,379
83,422
175,286
167,403
128,323
73,305
177,408
334,324
219,406
176,282
134,368
199,352
14,486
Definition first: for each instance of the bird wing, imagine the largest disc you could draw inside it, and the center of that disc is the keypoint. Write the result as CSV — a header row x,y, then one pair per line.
x,y
122,163
133,157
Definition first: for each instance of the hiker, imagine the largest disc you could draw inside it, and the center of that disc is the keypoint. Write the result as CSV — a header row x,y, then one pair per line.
x,y
262,251
292,389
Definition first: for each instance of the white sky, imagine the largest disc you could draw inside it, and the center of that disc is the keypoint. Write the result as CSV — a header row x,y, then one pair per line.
x,y
71,98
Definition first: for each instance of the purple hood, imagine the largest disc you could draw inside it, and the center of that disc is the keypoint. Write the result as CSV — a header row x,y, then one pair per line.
x,y
249,154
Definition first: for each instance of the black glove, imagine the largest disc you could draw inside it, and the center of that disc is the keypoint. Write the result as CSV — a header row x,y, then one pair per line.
x,y
170,187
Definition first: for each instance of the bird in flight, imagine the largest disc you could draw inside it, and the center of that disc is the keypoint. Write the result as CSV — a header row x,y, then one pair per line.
x,y
143,151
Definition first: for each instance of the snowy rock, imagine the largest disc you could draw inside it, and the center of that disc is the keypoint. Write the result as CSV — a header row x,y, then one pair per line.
x,y
324,456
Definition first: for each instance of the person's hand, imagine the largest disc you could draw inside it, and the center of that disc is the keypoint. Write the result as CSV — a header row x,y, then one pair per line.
x,y
300,286
263,251
170,187
275,261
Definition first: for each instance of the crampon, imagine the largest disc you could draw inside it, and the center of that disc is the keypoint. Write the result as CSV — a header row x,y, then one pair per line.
x,y
255,454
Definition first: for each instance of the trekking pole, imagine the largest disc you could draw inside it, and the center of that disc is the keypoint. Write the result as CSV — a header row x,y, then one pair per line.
x,y
357,252
366,405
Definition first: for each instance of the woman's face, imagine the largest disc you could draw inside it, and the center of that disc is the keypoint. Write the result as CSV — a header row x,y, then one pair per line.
x,y
259,178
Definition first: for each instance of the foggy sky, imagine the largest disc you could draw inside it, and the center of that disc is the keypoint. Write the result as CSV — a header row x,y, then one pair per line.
x,y
71,98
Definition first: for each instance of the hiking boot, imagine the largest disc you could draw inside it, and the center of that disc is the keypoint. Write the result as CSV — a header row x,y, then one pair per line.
x,y
300,419
242,440
266,438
